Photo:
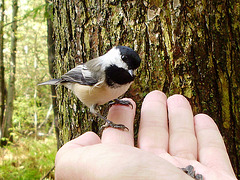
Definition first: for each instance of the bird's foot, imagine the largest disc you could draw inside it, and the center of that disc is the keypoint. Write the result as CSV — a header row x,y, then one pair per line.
x,y
110,124
120,102
113,125
190,171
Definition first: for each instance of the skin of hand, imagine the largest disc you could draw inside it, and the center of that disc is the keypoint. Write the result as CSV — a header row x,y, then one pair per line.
x,y
169,138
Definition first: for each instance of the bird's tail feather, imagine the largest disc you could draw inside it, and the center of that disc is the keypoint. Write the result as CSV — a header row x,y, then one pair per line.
x,y
51,82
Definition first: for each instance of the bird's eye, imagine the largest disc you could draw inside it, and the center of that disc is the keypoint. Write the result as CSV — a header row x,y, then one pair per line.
x,y
123,57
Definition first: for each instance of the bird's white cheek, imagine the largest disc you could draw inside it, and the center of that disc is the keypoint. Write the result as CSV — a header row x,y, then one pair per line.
x,y
112,57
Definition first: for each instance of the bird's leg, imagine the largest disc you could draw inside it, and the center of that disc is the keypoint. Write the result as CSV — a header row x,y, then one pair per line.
x,y
109,123
120,102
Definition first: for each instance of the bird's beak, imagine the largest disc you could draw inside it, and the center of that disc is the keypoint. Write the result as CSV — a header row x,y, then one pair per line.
x,y
131,72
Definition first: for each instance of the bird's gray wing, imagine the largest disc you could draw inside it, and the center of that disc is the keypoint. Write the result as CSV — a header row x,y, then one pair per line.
x,y
80,74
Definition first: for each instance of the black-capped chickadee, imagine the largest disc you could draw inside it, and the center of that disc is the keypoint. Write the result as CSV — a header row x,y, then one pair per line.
x,y
102,79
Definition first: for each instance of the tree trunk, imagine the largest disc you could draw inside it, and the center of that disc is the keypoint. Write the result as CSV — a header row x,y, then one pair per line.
x,y
2,82
11,84
187,47
51,60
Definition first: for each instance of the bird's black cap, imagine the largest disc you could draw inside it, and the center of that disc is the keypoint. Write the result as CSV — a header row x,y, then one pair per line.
x,y
130,57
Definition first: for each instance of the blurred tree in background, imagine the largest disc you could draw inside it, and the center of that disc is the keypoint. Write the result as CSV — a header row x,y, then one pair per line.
x,y
7,127
32,152
31,104
2,79
187,47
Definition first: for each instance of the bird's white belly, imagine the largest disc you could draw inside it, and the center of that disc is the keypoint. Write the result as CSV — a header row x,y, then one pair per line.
x,y
98,95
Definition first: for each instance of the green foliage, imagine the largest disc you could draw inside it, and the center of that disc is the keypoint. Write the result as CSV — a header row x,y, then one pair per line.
x,y
27,158
49,10
32,64
23,118
34,12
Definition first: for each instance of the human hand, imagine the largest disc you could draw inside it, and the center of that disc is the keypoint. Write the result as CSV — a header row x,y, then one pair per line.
x,y
169,138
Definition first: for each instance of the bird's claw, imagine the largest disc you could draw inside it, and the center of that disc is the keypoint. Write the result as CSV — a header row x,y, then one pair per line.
x,y
120,102
113,125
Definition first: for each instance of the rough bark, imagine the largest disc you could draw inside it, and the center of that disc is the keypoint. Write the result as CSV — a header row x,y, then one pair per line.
x,y
188,47
2,82
51,60
11,84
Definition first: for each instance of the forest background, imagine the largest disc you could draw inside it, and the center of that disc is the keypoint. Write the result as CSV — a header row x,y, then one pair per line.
x,y
31,153
188,47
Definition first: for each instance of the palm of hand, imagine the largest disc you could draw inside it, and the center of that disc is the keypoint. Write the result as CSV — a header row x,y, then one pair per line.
x,y
169,138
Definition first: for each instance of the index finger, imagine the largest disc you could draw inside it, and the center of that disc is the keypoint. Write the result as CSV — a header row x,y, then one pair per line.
x,y
120,114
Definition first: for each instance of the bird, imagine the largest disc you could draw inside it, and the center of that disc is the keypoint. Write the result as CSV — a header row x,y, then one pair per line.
x,y
102,79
